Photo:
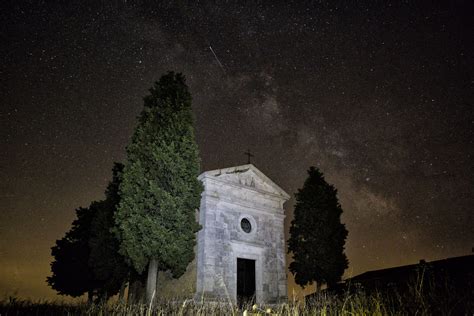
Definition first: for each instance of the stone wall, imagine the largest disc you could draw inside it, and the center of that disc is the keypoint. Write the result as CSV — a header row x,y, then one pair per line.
x,y
182,288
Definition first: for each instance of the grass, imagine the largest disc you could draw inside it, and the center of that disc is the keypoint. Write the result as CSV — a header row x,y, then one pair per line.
x,y
324,304
422,298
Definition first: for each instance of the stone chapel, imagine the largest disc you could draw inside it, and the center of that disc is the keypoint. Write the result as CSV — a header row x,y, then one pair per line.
x,y
241,246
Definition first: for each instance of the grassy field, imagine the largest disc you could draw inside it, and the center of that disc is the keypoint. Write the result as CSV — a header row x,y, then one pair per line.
x,y
347,304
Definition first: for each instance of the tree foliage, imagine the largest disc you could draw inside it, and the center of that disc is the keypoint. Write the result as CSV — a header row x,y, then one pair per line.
x,y
160,191
317,236
86,259
108,265
71,273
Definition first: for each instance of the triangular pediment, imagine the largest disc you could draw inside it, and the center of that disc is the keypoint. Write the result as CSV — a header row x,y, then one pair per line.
x,y
246,176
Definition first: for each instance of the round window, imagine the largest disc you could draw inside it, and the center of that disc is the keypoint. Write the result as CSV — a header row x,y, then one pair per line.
x,y
246,226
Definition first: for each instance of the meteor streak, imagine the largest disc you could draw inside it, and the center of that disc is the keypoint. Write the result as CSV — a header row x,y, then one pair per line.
x,y
217,59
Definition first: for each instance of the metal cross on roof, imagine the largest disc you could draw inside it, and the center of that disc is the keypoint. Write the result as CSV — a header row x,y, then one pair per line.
x,y
249,155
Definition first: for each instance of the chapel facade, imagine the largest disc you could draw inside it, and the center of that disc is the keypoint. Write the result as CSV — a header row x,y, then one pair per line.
x,y
241,246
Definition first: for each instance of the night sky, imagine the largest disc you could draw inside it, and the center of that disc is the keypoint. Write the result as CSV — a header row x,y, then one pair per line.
x,y
378,96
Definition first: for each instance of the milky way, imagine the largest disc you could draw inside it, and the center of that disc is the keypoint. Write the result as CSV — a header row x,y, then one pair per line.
x,y
379,97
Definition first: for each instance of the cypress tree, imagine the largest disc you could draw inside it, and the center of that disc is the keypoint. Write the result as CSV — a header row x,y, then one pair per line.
x,y
86,259
107,263
317,236
159,191
71,273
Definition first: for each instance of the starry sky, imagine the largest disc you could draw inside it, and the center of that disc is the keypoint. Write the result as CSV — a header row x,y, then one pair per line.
x,y
379,96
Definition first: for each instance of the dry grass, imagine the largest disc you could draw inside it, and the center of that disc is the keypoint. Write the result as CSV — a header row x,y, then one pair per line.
x,y
420,299
353,304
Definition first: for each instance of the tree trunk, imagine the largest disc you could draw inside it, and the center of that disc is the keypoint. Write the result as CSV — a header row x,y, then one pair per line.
x,y
122,291
133,292
131,288
318,287
90,297
151,281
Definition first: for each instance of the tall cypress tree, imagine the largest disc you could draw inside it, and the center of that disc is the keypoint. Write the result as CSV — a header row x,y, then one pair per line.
x,y
159,191
317,236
